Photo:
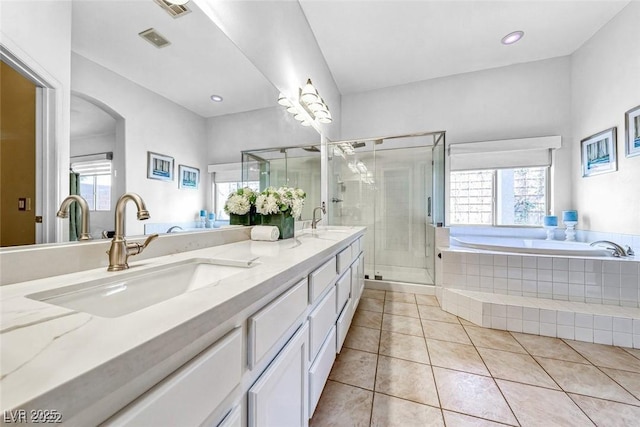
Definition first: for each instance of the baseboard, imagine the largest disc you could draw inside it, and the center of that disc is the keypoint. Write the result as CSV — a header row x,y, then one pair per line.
x,y
383,285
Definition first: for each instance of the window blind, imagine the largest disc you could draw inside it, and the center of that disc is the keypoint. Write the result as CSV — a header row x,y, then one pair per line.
x,y
503,154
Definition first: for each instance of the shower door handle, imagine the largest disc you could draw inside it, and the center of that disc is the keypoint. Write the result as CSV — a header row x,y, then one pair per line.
x,y
335,200
429,206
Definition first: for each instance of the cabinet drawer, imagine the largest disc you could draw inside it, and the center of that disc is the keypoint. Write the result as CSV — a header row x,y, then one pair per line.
x,y
342,325
319,371
268,325
344,260
280,397
233,418
321,279
355,286
355,249
320,321
343,290
190,394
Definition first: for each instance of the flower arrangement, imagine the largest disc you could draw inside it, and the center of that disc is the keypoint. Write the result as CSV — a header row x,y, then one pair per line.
x,y
286,200
240,202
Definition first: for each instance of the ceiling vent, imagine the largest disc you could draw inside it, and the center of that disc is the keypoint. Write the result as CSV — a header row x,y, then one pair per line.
x,y
154,37
175,10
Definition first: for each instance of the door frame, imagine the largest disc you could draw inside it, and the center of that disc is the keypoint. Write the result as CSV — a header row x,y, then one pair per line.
x,y
49,155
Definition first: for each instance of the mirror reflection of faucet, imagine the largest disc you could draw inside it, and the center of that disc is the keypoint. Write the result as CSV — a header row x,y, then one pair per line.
x,y
120,250
174,228
63,212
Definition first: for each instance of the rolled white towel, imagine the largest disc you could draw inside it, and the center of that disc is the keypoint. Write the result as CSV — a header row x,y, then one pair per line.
x,y
265,232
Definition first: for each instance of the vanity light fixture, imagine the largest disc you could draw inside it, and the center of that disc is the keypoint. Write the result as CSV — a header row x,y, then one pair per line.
x,y
309,108
216,98
512,38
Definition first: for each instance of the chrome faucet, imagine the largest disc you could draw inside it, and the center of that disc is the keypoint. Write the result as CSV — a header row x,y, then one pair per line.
x,y
120,250
63,212
618,251
175,227
314,222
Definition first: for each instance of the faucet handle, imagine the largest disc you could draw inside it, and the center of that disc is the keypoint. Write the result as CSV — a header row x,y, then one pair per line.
x,y
137,248
630,251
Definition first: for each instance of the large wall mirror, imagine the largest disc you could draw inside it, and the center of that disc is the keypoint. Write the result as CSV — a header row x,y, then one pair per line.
x,y
146,77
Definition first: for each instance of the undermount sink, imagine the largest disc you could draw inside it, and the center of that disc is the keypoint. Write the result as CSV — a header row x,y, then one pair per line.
x,y
132,291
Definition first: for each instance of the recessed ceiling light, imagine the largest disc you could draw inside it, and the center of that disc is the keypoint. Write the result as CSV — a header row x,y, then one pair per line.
x,y
178,2
216,98
511,38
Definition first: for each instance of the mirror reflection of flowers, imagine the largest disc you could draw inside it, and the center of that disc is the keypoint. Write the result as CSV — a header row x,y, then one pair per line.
x,y
239,203
285,200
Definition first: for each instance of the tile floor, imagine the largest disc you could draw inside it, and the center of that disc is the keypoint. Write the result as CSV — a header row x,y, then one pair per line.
x,y
405,362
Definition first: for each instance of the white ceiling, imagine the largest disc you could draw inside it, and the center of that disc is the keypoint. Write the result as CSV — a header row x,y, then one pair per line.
x,y
200,61
375,44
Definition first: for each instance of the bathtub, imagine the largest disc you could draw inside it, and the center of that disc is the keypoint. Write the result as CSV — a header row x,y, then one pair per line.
x,y
529,246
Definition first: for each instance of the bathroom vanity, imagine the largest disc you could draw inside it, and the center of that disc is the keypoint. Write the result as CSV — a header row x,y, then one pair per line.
x,y
248,338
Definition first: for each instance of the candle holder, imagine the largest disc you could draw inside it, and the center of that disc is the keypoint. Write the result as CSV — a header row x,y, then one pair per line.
x,y
570,232
550,229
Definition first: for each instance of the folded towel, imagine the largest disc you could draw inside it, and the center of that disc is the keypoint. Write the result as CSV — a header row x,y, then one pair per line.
x,y
264,232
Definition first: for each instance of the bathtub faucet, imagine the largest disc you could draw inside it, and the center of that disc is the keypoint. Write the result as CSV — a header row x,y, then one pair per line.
x,y
618,251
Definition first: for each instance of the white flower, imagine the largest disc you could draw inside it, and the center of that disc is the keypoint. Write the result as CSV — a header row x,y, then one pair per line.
x,y
267,204
237,204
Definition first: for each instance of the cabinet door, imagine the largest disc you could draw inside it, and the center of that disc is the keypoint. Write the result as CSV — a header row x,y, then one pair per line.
x,y
280,397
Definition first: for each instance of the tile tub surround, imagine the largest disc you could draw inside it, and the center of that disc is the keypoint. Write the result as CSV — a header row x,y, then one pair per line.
x,y
89,367
587,299
490,378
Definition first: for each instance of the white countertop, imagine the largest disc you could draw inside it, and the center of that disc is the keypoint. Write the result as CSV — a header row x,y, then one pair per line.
x,y
56,358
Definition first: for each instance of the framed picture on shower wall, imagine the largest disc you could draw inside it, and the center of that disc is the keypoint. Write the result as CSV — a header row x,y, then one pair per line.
x,y
599,153
632,132
188,177
159,166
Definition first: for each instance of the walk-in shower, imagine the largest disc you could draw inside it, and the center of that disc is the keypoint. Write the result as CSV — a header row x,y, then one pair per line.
x,y
395,187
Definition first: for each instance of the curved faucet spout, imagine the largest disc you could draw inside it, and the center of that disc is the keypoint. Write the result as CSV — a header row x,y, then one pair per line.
x,y
618,250
63,212
143,213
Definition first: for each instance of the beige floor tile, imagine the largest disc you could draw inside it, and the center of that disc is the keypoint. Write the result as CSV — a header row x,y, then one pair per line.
x,y
373,294
368,319
402,324
355,367
436,313
401,308
628,380
491,338
585,379
465,322
401,297
461,392
633,351
514,367
552,348
407,380
606,356
403,347
453,419
371,304
389,411
343,405
536,406
365,339
456,356
427,300
606,413
445,331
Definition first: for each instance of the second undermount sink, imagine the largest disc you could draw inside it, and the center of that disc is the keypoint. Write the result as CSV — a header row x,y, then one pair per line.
x,y
134,290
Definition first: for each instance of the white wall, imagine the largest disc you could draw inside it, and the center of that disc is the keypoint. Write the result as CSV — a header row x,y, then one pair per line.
x,y
151,123
39,34
606,83
518,101
230,134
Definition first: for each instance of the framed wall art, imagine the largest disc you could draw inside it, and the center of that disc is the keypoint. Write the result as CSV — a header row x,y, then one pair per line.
x,y
632,132
599,153
159,166
188,177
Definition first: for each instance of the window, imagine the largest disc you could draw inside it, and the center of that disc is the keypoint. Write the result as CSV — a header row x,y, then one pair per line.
x,y
499,196
95,183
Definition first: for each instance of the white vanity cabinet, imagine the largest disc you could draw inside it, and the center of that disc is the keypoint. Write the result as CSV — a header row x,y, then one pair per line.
x,y
190,394
280,396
